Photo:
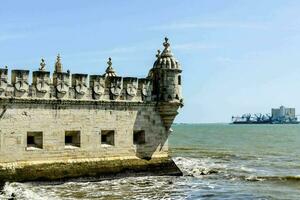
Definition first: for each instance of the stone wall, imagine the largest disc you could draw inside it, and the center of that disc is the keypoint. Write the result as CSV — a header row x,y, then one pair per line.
x,y
53,118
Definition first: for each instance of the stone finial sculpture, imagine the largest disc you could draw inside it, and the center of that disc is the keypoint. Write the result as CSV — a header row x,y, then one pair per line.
x,y
109,72
158,53
58,65
167,50
42,65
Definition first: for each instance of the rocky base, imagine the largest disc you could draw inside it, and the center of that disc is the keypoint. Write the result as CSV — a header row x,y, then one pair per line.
x,y
88,168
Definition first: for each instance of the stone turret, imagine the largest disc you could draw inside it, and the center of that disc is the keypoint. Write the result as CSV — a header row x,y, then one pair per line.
x,y
166,76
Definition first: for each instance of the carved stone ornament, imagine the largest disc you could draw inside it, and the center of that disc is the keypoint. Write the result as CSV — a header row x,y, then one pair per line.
x,y
116,87
62,86
3,83
131,88
146,89
99,86
42,84
80,87
21,84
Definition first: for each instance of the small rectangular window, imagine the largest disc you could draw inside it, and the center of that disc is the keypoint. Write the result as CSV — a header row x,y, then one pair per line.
x,y
72,139
108,137
139,137
179,80
34,140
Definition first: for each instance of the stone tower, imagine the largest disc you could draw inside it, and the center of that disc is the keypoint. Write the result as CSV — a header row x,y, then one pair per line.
x,y
166,76
72,125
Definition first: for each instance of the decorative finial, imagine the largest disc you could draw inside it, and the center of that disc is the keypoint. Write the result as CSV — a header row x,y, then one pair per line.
x,y
58,65
43,65
166,43
109,62
158,53
167,50
110,70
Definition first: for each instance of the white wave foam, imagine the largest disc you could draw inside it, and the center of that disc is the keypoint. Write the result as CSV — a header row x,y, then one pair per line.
x,y
254,178
20,191
198,167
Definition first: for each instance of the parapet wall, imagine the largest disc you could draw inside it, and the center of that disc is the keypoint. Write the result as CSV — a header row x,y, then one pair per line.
x,y
64,85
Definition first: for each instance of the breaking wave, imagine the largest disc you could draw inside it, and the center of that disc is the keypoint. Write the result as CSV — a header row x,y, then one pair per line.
x,y
16,191
273,178
198,167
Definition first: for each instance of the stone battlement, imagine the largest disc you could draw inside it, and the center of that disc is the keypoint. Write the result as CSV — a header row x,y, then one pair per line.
x,y
64,85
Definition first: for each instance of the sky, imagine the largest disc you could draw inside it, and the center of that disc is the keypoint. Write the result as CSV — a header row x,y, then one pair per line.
x,y
237,56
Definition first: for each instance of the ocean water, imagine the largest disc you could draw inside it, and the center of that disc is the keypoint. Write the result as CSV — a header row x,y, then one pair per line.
x,y
219,161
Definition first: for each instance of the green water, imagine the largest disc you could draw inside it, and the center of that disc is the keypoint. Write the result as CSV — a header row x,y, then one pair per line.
x,y
250,161
219,161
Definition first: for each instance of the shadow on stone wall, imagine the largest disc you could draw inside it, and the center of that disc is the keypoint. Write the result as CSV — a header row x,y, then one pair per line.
x,y
152,144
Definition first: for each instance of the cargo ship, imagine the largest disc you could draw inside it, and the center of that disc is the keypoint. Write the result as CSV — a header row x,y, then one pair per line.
x,y
281,115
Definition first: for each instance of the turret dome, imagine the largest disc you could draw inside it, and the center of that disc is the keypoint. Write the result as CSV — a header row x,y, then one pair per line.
x,y
166,60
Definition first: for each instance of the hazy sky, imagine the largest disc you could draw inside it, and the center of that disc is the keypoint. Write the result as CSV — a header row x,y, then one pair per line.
x,y
236,56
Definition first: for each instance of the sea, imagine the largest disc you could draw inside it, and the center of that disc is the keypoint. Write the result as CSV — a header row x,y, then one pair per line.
x,y
218,161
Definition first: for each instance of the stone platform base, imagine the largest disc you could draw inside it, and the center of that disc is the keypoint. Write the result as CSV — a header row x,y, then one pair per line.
x,y
100,168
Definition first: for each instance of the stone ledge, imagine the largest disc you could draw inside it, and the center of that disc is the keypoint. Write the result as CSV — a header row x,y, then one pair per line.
x,y
100,168
73,102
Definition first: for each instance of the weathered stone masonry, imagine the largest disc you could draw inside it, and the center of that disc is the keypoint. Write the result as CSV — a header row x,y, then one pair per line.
x,y
70,125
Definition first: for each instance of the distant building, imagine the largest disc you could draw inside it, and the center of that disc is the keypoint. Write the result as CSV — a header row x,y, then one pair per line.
x,y
283,114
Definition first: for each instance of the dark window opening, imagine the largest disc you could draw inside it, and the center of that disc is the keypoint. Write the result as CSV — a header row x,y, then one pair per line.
x,y
35,139
108,137
72,139
179,80
139,137
30,140
68,139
